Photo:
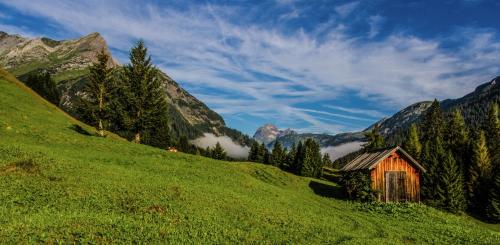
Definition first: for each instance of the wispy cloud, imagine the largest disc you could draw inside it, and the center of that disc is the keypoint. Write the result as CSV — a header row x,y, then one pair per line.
x,y
260,70
346,9
370,113
375,22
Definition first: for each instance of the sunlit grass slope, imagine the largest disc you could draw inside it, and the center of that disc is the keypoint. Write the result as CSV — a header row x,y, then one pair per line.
x,y
59,185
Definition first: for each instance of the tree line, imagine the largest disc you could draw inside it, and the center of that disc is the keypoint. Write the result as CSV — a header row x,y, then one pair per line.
x,y
463,164
132,103
303,159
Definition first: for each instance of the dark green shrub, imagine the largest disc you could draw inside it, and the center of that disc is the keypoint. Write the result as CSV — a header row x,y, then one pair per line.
x,y
357,185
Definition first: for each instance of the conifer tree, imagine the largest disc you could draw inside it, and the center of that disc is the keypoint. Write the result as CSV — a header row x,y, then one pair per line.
x,y
263,156
298,160
492,128
312,163
290,158
277,155
95,105
493,131
493,204
432,155
146,93
375,139
208,152
43,84
450,195
326,160
254,152
433,124
267,157
412,144
457,139
218,152
433,152
479,174
183,145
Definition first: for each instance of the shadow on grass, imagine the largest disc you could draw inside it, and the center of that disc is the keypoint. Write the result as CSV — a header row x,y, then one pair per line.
x,y
77,128
325,190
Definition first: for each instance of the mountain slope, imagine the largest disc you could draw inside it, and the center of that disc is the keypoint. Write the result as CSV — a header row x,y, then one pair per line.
x,y
61,186
68,62
402,119
475,105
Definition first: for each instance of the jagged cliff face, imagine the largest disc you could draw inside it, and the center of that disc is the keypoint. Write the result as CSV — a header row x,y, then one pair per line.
x,y
269,133
69,60
21,55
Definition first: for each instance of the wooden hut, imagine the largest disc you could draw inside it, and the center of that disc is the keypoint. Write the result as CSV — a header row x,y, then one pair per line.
x,y
394,174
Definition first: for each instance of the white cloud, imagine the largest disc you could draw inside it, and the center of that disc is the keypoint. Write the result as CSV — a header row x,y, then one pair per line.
x,y
371,113
290,15
209,49
346,9
17,30
233,149
375,23
339,151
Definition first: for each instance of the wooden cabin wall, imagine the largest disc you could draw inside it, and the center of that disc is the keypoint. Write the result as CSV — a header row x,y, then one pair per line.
x,y
395,162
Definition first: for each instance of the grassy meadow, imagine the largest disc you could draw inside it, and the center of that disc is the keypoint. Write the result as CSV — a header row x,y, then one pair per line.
x,y
58,184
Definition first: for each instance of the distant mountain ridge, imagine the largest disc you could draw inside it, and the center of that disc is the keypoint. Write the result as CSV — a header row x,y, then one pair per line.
x,y
68,61
473,107
401,119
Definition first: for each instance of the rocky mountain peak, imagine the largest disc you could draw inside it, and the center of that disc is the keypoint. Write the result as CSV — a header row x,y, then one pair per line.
x,y
21,55
269,132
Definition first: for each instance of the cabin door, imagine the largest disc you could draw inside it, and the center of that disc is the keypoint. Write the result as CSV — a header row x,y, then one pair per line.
x,y
395,190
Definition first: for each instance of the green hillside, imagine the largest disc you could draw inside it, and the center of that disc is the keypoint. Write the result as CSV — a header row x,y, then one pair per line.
x,y
60,185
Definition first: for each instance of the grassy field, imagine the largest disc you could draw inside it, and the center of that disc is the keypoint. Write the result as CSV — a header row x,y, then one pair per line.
x,y
58,184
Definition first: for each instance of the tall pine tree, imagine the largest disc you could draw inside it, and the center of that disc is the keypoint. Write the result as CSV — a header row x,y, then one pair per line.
x,y
433,152
277,155
492,128
457,139
95,104
147,101
412,144
263,156
298,160
375,139
253,154
479,174
450,195
493,204
493,136
432,155
433,123
290,158
218,152
312,163
326,160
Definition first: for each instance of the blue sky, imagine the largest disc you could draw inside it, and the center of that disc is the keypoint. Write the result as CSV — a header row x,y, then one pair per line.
x,y
314,66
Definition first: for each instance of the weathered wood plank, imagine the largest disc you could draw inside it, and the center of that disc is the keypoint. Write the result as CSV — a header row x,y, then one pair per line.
x,y
396,162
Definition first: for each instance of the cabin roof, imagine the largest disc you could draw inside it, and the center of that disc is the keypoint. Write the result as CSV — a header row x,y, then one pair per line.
x,y
369,160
